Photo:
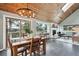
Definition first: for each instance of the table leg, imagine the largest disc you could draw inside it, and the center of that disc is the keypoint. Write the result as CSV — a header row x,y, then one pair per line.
x,y
14,51
44,46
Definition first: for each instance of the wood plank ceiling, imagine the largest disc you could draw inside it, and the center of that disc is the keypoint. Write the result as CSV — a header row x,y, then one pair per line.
x,y
50,12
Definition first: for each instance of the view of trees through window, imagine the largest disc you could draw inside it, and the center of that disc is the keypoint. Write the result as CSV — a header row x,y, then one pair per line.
x,y
41,27
15,27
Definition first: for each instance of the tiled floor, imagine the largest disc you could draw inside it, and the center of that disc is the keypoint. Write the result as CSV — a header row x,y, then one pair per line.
x,y
3,53
57,48
60,48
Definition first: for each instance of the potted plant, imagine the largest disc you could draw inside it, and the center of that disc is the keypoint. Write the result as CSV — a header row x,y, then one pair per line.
x,y
27,29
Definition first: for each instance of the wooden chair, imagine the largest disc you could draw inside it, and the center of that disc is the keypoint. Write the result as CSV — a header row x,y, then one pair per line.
x,y
20,50
35,46
24,34
43,45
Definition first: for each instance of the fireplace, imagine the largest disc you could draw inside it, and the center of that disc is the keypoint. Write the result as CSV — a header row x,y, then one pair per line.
x,y
53,32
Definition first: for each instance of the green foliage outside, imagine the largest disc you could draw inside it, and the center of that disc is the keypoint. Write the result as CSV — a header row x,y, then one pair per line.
x,y
27,28
40,27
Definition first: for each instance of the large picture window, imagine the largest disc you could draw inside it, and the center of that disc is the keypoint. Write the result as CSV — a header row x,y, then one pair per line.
x,y
41,27
15,27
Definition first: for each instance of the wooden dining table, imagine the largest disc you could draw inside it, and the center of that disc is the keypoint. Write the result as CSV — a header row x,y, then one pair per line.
x,y
23,43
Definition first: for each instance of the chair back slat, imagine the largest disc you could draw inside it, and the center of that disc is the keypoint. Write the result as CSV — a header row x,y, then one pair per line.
x,y
35,45
10,45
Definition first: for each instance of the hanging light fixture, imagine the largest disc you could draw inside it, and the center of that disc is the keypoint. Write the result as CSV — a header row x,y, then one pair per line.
x,y
26,12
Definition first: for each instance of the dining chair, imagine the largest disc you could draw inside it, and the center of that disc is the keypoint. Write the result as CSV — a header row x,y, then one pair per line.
x,y
43,45
24,35
35,46
20,50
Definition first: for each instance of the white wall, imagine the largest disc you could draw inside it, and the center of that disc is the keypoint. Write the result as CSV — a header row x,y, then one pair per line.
x,y
72,19
1,31
33,26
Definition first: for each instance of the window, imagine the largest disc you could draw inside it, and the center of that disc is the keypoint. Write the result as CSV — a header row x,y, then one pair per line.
x,y
67,6
15,28
41,27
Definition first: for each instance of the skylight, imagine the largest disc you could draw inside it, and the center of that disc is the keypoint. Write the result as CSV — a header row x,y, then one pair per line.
x,y
67,6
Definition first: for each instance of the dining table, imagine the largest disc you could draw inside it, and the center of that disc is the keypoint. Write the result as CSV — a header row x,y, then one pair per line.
x,y
23,43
